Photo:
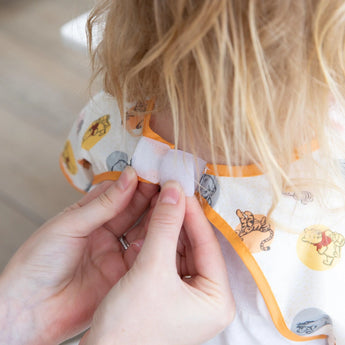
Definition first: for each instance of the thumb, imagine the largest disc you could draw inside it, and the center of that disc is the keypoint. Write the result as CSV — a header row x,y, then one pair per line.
x,y
83,218
164,227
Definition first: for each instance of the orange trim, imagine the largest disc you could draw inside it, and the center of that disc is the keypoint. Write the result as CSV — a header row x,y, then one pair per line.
x,y
256,272
312,146
106,176
234,171
148,132
113,176
62,167
253,169
140,179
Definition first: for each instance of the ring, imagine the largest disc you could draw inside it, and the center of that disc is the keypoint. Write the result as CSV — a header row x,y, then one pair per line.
x,y
124,243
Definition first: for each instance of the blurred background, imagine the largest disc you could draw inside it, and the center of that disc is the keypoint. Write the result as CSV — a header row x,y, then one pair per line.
x,y
43,86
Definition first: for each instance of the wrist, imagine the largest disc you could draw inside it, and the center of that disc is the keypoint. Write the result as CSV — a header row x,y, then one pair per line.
x,y
18,323
15,322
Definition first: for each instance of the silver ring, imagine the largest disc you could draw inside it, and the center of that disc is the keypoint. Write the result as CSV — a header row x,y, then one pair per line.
x,y
124,243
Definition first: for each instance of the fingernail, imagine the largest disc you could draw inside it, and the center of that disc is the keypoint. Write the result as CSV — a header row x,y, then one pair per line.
x,y
170,194
126,178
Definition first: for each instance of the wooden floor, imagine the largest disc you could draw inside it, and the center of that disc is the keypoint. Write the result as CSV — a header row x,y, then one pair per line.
x,y
43,85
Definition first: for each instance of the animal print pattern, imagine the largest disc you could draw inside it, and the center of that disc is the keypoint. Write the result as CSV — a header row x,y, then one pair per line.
x,y
251,223
327,243
69,159
209,188
117,161
310,320
303,196
96,131
135,118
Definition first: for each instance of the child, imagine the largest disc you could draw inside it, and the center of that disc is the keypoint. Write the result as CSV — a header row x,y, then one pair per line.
x,y
243,89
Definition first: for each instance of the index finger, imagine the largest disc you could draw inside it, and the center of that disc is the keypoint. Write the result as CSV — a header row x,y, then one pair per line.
x,y
207,255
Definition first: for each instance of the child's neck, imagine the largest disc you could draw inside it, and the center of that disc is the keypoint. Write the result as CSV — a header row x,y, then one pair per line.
x,y
162,124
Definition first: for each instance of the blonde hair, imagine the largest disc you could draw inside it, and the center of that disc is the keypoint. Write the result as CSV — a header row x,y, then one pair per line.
x,y
252,78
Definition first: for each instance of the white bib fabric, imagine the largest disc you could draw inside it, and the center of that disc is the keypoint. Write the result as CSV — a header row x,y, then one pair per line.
x,y
295,257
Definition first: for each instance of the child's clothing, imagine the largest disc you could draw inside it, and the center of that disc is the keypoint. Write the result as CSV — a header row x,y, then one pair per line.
x,y
295,258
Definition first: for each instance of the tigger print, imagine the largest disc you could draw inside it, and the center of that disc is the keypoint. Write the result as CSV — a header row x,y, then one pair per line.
x,y
255,231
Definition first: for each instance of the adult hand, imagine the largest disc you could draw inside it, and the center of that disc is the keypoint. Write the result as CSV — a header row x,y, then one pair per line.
x,y
52,286
152,304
